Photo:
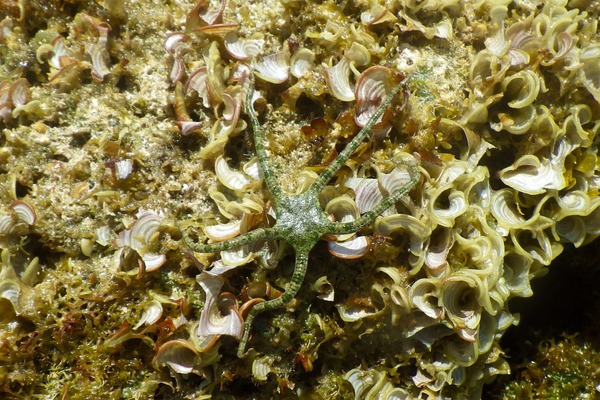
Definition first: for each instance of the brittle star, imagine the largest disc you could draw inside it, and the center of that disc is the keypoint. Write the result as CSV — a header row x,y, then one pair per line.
x,y
300,220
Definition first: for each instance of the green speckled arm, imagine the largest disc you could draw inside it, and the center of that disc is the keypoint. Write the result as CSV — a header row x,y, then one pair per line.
x,y
290,292
259,144
246,238
367,218
345,154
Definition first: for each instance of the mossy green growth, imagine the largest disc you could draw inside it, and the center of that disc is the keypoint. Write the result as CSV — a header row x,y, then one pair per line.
x,y
564,369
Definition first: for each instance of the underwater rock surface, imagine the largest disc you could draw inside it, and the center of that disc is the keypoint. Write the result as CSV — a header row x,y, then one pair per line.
x,y
124,127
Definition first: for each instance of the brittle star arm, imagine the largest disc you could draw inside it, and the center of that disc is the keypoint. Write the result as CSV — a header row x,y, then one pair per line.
x,y
341,228
259,144
291,290
238,241
341,159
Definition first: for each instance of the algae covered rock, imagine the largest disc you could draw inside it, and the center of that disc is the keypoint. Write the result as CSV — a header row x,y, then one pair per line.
x,y
128,133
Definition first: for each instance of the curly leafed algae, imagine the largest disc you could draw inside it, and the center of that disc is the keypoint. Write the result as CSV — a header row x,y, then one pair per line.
x,y
127,126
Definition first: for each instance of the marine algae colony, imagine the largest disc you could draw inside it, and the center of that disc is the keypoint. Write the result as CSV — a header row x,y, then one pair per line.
x,y
135,133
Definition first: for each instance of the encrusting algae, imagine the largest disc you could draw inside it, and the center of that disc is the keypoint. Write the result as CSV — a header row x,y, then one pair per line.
x,y
132,136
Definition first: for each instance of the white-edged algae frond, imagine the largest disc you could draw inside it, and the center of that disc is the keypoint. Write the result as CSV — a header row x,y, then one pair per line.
x,y
279,198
